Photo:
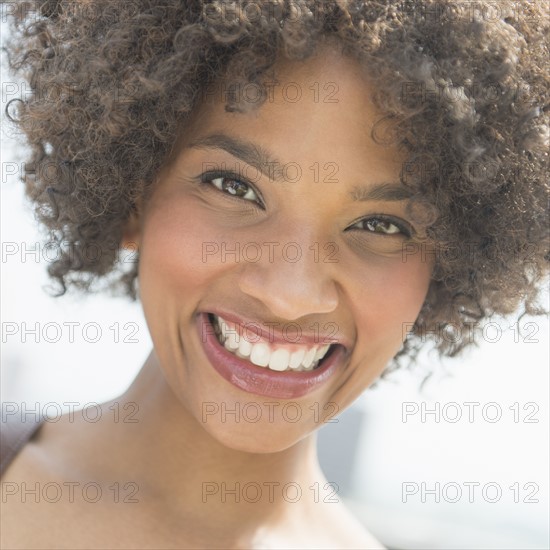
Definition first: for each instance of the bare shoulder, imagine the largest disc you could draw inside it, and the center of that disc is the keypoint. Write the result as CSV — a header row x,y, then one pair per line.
x,y
349,530
50,498
329,526
32,493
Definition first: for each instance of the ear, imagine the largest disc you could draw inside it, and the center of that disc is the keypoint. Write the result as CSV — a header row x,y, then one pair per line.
x,y
131,232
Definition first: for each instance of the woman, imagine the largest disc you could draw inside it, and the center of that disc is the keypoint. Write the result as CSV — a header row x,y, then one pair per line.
x,y
306,182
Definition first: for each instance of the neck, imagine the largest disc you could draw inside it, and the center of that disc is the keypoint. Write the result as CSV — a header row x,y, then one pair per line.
x,y
196,474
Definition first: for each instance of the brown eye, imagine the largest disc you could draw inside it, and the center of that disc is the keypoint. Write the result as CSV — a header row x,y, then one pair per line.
x,y
381,226
235,187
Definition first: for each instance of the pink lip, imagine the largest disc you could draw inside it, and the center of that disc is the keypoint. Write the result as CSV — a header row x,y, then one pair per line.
x,y
274,335
261,380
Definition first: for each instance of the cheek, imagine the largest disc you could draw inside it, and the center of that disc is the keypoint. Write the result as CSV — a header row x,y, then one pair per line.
x,y
391,301
180,248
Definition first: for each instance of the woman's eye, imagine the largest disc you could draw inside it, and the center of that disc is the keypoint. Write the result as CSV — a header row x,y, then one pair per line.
x,y
235,187
381,226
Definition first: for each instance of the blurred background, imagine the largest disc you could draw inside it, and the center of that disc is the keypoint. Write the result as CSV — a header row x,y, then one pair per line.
x,y
461,463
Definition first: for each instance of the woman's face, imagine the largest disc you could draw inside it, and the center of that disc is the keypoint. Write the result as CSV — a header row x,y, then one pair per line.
x,y
289,224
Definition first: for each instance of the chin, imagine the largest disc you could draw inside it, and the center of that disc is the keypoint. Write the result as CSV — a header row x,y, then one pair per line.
x,y
260,438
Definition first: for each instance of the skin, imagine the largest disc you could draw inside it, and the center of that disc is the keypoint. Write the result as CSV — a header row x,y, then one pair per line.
x,y
369,292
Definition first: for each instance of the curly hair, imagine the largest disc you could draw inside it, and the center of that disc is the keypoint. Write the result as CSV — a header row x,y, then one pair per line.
x,y
463,85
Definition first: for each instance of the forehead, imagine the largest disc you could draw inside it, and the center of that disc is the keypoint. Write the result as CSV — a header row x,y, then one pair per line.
x,y
317,110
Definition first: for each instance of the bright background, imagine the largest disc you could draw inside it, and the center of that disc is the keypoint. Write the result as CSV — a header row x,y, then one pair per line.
x,y
370,452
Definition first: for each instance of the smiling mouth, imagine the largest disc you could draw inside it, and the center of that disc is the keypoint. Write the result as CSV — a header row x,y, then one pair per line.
x,y
271,355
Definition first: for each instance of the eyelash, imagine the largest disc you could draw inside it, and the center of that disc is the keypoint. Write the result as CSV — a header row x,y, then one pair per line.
x,y
405,229
208,178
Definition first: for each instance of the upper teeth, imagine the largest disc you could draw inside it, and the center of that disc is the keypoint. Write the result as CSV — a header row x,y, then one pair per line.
x,y
265,354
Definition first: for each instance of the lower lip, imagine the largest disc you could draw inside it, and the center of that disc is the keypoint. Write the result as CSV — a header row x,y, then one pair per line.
x,y
262,380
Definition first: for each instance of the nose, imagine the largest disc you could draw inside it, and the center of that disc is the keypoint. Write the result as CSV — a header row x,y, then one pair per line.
x,y
292,281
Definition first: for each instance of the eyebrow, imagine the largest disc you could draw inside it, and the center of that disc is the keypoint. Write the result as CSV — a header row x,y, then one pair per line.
x,y
381,192
252,154
272,167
